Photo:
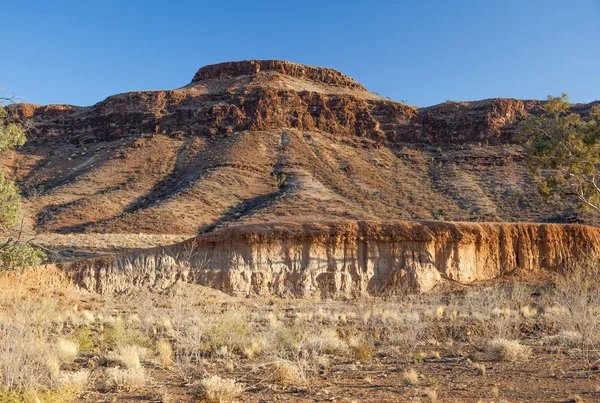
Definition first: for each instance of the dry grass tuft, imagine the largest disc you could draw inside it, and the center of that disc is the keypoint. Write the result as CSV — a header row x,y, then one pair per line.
x,y
410,377
215,389
479,368
53,365
66,351
566,338
431,395
507,350
76,379
117,379
164,352
287,373
127,356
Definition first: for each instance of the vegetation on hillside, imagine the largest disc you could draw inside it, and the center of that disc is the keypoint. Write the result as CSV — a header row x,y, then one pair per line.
x,y
13,251
563,151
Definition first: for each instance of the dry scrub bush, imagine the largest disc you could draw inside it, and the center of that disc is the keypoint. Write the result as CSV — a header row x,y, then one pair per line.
x,y
325,341
410,377
118,333
128,356
215,389
63,394
496,309
479,368
190,348
23,356
289,373
507,350
76,379
405,329
575,297
117,379
164,352
431,395
66,351
230,330
565,338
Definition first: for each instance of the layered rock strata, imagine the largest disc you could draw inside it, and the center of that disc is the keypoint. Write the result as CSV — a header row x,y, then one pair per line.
x,y
344,259
272,94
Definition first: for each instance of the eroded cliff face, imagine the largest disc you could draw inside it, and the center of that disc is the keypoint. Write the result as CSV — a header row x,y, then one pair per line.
x,y
345,259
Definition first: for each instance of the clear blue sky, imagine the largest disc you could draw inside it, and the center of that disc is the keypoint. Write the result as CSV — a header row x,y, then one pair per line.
x,y
423,52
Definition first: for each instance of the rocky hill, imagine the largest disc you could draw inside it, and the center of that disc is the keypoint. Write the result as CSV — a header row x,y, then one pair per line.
x,y
266,141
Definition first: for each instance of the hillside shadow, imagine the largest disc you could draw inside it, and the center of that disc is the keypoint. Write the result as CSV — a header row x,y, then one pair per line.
x,y
242,209
181,177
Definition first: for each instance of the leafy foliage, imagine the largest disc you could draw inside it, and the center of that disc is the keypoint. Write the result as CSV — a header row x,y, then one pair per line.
x,y
10,203
563,152
11,135
13,252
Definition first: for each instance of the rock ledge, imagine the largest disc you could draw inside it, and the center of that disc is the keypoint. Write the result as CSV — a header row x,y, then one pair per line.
x,y
250,67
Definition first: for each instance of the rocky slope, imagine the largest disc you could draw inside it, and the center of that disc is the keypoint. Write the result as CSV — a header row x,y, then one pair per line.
x,y
344,259
265,141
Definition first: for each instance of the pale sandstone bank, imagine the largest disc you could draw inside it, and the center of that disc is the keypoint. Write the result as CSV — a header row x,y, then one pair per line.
x,y
343,258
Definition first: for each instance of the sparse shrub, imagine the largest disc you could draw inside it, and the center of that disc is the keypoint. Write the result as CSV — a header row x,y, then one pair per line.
x,y
326,341
231,330
565,338
84,339
76,379
363,352
431,395
24,356
287,373
439,312
215,389
128,356
528,311
117,379
66,351
479,368
251,350
576,292
287,340
420,356
410,377
53,365
164,352
117,333
507,350
63,394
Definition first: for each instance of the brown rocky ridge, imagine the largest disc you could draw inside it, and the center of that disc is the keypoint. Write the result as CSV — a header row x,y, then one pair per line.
x,y
258,142
261,141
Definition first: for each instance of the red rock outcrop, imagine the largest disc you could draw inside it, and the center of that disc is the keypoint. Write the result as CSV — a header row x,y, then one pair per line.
x,y
260,101
252,67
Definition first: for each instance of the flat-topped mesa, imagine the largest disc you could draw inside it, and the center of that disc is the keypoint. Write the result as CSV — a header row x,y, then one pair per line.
x,y
251,67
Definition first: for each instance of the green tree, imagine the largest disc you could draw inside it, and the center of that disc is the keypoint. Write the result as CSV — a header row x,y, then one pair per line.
x,y
13,251
563,152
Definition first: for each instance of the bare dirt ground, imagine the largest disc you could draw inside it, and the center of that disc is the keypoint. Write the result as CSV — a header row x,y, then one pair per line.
x,y
501,342
70,247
